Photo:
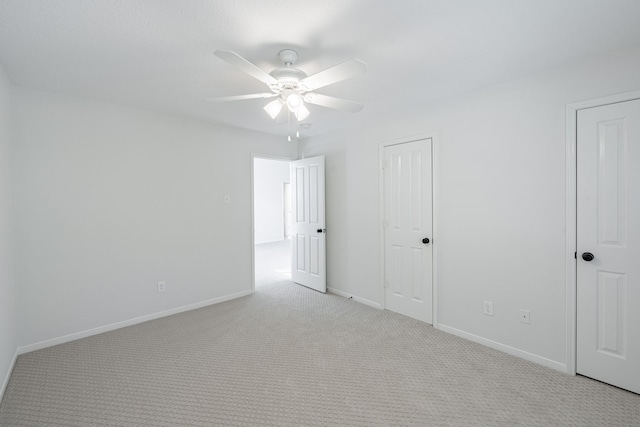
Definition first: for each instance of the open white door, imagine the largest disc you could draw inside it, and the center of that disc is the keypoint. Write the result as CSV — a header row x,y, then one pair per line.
x,y
608,243
308,241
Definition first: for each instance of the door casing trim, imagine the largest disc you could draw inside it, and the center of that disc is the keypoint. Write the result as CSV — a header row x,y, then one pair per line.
x,y
571,216
435,137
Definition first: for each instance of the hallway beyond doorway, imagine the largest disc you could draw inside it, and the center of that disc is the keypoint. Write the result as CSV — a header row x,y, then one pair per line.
x,y
273,263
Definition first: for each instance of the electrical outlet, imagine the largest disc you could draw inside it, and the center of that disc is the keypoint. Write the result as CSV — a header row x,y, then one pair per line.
x,y
487,308
162,286
525,316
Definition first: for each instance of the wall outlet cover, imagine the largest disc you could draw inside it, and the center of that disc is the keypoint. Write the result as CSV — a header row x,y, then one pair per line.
x,y
487,308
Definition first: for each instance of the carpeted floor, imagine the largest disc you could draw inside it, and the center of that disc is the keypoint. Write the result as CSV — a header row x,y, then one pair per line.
x,y
288,355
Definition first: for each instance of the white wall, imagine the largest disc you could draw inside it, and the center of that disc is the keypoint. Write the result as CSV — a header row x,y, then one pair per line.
x,y
110,200
500,182
8,327
269,177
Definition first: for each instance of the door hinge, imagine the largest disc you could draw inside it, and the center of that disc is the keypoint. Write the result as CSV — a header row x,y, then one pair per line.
x,y
384,164
575,255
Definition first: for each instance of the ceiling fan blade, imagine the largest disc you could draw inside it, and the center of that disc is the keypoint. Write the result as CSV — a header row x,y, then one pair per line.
x,y
241,97
246,66
337,73
331,102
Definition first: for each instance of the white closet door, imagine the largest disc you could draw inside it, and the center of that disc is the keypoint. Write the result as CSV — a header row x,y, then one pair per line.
x,y
608,244
408,229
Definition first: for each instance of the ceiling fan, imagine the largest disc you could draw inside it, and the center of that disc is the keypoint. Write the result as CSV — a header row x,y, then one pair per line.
x,y
293,87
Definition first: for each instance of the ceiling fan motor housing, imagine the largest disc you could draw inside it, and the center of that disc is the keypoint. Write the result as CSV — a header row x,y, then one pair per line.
x,y
288,77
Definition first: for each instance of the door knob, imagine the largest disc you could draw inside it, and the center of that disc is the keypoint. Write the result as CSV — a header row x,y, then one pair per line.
x,y
425,240
322,230
587,256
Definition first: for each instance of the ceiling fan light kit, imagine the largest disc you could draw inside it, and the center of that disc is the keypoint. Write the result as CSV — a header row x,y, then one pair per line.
x,y
273,108
293,87
301,113
294,101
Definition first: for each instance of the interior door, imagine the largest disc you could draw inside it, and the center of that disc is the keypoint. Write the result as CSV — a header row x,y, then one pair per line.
x,y
608,244
308,242
408,228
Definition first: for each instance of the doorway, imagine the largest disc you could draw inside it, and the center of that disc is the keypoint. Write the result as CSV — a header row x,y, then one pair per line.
x,y
271,221
603,276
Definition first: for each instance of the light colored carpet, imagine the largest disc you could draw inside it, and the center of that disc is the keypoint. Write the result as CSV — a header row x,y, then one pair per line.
x,y
288,355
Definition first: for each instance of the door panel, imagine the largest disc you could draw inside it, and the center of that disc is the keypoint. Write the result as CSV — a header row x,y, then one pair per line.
x,y
608,226
299,253
408,219
309,246
610,313
287,210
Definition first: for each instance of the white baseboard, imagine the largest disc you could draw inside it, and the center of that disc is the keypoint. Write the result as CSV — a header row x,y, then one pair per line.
x,y
506,349
355,298
113,326
9,371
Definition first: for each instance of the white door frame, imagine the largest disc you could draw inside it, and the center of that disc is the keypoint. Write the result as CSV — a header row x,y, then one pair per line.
x,y
571,215
253,222
434,136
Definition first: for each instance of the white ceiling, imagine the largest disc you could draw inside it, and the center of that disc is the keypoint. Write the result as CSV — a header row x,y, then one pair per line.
x,y
158,54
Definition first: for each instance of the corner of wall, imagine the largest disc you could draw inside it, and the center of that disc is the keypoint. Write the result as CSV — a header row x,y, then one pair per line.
x,y
5,383
8,313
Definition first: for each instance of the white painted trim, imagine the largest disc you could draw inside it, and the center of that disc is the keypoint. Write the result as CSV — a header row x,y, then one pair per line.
x,y
506,349
381,224
606,100
571,213
113,326
570,241
355,298
253,219
5,383
435,137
